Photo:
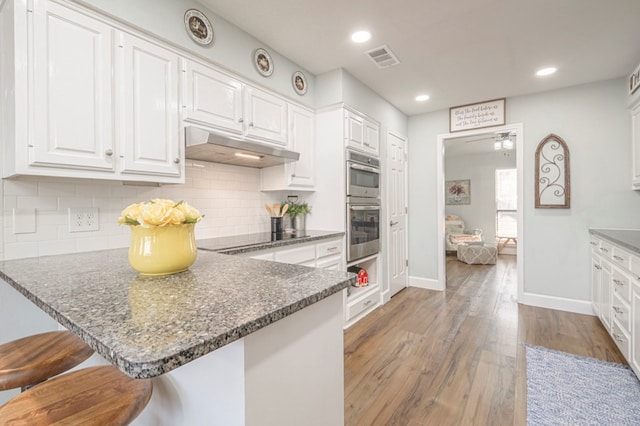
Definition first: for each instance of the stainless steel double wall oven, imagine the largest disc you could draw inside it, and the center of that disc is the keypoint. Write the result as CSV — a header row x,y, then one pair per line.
x,y
363,206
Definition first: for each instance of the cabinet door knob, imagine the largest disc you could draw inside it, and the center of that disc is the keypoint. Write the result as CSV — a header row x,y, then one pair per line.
x,y
177,160
108,152
240,120
251,124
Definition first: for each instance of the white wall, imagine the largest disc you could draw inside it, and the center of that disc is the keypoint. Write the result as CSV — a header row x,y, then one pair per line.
x,y
594,122
232,47
480,169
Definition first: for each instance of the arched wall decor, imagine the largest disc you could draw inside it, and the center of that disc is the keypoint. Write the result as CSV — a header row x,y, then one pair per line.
x,y
553,183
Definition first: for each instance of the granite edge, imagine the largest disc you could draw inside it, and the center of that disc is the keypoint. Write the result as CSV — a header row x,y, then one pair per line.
x,y
275,244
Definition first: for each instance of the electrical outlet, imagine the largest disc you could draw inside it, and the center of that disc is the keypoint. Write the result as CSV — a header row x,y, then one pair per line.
x,y
83,219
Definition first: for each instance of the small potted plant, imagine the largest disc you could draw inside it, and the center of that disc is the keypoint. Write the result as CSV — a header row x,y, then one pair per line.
x,y
298,213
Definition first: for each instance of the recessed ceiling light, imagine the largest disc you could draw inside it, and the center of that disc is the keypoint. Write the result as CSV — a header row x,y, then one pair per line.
x,y
422,98
360,36
546,71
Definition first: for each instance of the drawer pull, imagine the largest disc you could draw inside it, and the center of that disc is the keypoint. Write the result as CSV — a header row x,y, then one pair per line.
x,y
618,309
593,243
618,338
367,303
616,257
334,248
604,250
598,267
618,282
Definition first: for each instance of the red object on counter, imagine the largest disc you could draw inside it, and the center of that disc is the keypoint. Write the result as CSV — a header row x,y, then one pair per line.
x,y
363,278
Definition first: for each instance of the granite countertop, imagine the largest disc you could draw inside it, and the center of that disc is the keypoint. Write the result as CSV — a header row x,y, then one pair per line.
x,y
627,238
261,241
148,326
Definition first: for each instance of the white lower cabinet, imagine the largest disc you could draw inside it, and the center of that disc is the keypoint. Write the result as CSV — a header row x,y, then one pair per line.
x,y
328,254
635,329
305,255
615,280
318,254
361,301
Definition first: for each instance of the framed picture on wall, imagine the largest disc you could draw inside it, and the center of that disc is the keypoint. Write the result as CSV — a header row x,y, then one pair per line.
x,y
263,62
198,27
458,192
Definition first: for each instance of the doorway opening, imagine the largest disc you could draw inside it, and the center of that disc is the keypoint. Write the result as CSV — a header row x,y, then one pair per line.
x,y
480,153
506,183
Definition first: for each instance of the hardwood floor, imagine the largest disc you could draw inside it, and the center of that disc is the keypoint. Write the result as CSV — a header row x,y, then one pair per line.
x,y
457,357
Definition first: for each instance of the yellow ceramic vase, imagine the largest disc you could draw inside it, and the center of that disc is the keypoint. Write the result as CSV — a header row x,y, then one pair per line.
x,y
162,250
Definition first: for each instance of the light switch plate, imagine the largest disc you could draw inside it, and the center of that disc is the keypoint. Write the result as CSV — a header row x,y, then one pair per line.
x,y
24,221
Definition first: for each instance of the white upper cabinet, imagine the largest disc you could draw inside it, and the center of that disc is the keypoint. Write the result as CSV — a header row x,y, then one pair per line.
x,y
298,174
354,130
219,101
212,98
72,90
302,141
85,99
371,143
361,134
148,123
265,116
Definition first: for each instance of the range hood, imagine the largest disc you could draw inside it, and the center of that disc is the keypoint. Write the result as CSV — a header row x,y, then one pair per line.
x,y
207,146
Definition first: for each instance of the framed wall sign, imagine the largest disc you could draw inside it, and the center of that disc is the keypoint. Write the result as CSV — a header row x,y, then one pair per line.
x,y
553,177
477,116
198,27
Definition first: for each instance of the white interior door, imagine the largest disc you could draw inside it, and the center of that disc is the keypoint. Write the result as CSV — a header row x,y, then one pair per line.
x,y
397,212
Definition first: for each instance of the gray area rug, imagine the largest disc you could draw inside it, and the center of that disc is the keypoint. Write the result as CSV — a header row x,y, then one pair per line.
x,y
566,389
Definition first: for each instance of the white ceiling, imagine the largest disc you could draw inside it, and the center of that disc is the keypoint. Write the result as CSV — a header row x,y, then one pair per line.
x,y
457,51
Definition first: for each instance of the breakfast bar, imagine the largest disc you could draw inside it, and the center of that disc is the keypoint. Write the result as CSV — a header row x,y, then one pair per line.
x,y
230,341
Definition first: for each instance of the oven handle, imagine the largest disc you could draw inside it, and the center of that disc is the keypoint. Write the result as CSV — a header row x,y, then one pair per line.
x,y
364,168
364,207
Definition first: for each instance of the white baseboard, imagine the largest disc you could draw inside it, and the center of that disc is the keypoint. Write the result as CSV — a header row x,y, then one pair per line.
x,y
425,283
558,303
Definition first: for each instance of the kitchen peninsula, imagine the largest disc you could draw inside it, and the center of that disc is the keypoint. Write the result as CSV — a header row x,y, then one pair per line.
x,y
231,341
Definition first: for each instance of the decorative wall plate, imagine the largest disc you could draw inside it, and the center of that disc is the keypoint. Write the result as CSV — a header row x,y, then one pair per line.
x,y
263,62
299,82
198,27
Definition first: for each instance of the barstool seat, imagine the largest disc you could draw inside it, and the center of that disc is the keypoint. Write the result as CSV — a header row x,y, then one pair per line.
x,y
90,396
36,358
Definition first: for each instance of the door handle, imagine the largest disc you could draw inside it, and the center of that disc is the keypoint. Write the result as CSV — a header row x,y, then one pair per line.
x,y
393,223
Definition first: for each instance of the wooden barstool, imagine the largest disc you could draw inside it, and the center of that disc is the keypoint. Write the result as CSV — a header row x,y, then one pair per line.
x,y
34,359
90,396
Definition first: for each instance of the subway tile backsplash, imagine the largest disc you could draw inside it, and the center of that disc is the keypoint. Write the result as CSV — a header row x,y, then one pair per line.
x,y
228,196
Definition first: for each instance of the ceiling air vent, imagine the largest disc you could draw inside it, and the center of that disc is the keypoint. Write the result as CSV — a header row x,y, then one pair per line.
x,y
383,57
